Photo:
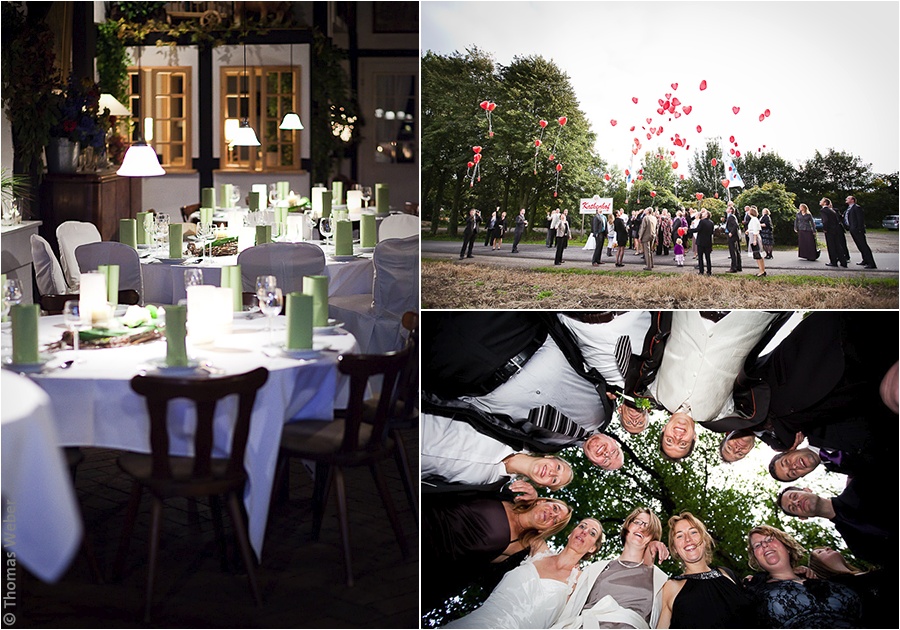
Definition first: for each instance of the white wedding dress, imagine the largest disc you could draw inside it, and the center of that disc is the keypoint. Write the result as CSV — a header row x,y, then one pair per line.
x,y
522,599
591,242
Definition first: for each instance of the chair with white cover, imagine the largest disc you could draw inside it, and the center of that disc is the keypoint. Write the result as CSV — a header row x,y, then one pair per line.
x,y
288,262
47,271
375,319
399,226
92,255
69,235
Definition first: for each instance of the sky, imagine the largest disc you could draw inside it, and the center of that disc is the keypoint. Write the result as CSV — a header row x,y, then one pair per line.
x,y
828,72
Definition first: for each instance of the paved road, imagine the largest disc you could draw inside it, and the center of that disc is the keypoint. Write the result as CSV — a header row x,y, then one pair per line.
x,y
884,246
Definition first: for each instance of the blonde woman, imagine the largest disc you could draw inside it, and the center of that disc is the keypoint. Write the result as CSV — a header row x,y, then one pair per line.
x,y
753,231
805,227
767,233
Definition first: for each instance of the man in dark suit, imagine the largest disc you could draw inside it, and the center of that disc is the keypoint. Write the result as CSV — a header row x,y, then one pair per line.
x,y
598,229
470,233
521,224
799,462
704,239
857,225
732,229
835,241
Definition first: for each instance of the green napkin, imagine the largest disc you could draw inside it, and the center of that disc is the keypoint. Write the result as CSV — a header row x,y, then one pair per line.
x,y
368,231
326,203
25,332
343,238
299,315
284,189
257,200
128,232
208,198
111,273
231,278
225,192
176,329
176,234
382,199
337,192
263,234
206,215
141,221
317,287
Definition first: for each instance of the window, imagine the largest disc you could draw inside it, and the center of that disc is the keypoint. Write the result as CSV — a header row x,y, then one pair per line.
x,y
263,96
395,108
165,123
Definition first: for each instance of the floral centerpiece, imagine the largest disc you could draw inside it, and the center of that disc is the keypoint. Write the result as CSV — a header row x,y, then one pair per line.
x,y
78,115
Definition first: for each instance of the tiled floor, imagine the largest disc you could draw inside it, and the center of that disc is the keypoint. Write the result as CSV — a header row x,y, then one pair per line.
x,y
302,581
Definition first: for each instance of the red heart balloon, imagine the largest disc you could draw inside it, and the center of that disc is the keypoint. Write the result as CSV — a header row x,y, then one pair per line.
x,y
686,147
649,120
682,231
634,99
552,157
627,172
725,183
732,151
652,193
543,123
640,171
735,144
613,122
731,139
632,128
671,153
676,102
714,161
717,195
477,158
491,106
606,177
660,110
699,196
767,113
668,95
660,131
476,149
484,104
640,177
762,117
730,168
759,150
652,129
674,165
737,154
559,167
562,121
735,109
699,128
634,151
661,102
703,85
537,143
687,109
677,115
470,164
674,86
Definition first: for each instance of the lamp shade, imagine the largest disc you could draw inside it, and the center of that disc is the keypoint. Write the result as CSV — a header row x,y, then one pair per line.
x,y
108,101
291,121
140,161
245,136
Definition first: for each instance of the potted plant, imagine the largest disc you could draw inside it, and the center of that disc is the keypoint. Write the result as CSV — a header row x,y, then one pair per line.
x,y
79,125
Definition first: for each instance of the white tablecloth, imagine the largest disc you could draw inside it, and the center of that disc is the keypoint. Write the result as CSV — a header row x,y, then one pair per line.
x,y
94,404
41,521
164,283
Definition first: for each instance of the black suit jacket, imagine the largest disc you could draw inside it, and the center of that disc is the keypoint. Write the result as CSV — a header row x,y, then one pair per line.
x,y
704,232
855,219
471,225
732,226
831,222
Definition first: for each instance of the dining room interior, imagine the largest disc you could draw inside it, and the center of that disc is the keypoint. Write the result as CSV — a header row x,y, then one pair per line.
x,y
210,295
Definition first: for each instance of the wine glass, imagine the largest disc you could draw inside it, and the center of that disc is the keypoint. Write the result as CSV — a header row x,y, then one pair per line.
x,y
205,235
265,284
270,302
366,194
235,196
193,277
162,230
12,294
326,228
72,319
273,194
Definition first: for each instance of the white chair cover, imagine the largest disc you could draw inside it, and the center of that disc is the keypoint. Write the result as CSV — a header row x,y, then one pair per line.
x,y
92,255
47,271
71,234
375,319
399,226
288,262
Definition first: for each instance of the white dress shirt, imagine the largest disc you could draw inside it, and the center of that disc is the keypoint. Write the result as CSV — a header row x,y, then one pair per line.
x,y
598,341
457,452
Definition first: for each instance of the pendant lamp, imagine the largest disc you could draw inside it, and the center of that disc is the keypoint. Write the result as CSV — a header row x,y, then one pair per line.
x,y
291,120
245,136
140,159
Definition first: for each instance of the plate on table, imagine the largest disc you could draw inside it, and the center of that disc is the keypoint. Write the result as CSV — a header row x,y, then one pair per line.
x,y
343,257
27,368
331,327
309,353
171,261
365,250
164,369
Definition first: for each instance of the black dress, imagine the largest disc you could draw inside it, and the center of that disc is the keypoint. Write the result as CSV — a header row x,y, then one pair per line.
x,y
808,604
710,600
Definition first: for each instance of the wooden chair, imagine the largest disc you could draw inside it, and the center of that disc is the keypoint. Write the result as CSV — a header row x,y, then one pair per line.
x,y
54,304
350,442
188,210
168,476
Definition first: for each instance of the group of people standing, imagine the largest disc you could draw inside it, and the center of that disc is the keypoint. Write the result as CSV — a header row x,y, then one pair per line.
x,y
835,225
503,392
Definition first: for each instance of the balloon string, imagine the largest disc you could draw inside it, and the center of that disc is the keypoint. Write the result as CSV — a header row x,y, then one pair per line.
x,y
490,129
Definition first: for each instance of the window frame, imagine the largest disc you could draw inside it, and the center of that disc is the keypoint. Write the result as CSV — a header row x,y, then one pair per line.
x,y
147,79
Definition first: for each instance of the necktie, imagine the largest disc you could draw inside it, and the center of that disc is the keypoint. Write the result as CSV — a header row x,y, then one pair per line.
x,y
550,418
831,457
623,354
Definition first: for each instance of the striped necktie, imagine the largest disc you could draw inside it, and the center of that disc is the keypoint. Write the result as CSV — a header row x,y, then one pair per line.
x,y
550,418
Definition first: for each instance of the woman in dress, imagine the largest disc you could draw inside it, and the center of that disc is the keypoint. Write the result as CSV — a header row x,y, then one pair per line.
x,y
499,231
703,596
465,535
784,599
805,227
871,586
533,594
625,591
753,230
665,234
767,233
621,230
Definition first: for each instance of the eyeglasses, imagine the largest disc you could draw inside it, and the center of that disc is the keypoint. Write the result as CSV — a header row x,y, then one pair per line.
x,y
640,523
765,541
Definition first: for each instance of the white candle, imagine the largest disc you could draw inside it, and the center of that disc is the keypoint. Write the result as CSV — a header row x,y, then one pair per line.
x,y
92,303
201,318
354,200
316,195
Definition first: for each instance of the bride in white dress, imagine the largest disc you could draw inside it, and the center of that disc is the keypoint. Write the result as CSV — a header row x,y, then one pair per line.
x,y
533,594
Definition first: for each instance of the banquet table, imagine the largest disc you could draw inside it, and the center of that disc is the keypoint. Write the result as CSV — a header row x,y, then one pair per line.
x,y
41,520
93,403
164,282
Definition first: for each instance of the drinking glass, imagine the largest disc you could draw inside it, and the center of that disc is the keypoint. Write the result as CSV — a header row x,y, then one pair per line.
x,y
72,319
366,194
265,284
193,277
12,293
235,196
270,302
206,234
273,194
326,228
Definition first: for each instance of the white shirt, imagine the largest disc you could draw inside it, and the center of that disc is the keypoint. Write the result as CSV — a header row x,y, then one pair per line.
x,y
457,452
754,226
598,341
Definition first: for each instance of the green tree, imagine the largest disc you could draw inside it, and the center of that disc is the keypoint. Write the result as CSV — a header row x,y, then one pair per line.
x,y
658,172
835,175
704,177
781,205
757,169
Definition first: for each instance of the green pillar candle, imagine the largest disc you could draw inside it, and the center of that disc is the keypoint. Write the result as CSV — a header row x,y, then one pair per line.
x,y
25,333
257,200
231,278
225,193
299,315
337,192
343,238
176,330
263,234
141,223
111,274
206,215
317,287
176,236
326,203
128,232
208,198
368,231
382,199
284,189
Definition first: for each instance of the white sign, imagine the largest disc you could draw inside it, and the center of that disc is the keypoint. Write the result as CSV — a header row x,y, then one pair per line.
x,y
590,206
